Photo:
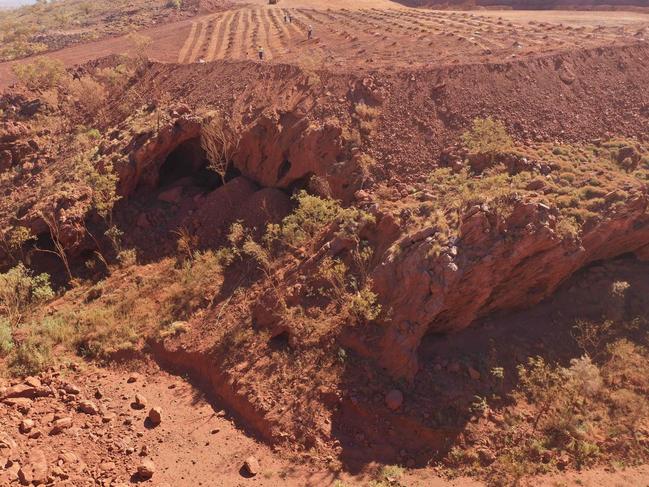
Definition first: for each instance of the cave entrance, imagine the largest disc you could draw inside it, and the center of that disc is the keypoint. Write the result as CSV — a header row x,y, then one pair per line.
x,y
187,165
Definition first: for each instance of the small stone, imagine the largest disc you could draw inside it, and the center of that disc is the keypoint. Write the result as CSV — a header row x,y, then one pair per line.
x,y
394,399
486,457
71,389
22,404
108,417
68,457
107,466
251,465
145,470
88,407
35,469
26,425
35,435
133,378
155,416
33,382
60,425
139,403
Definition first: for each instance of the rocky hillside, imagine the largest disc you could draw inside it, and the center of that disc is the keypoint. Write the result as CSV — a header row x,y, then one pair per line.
x,y
300,241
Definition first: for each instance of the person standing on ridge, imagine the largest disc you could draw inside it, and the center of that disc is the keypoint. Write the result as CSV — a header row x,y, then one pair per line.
x,y
261,53
310,32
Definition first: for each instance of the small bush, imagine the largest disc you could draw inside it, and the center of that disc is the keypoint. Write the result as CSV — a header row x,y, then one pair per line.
x,y
388,475
6,338
102,332
127,257
310,216
364,305
42,74
19,289
30,357
487,137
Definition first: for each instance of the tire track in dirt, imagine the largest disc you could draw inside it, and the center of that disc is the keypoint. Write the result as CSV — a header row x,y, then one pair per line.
x,y
215,37
256,33
230,36
281,32
242,31
222,39
204,25
271,39
188,43
278,24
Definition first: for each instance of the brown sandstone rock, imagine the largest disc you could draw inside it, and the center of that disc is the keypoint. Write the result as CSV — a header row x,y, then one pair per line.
x,y
145,470
155,416
88,407
61,425
35,469
251,466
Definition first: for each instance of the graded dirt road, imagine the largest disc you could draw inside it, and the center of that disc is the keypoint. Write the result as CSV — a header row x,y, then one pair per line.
x,y
370,35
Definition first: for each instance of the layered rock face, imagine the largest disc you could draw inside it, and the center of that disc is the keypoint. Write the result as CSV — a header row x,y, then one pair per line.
x,y
494,265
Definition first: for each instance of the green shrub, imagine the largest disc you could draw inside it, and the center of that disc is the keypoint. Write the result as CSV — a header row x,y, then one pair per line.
x,y
6,338
19,289
102,331
364,305
310,216
487,137
42,74
30,357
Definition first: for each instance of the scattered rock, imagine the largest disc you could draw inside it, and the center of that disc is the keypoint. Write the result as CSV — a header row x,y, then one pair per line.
x,y
35,469
35,434
139,403
394,399
33,382
26,425
22,404
107,466
133,378
71,389
251,466
145,470
486,457
108,417
60,425
88,407
155,416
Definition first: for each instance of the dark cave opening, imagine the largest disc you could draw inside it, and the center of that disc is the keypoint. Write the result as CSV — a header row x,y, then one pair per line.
x,y
187,165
